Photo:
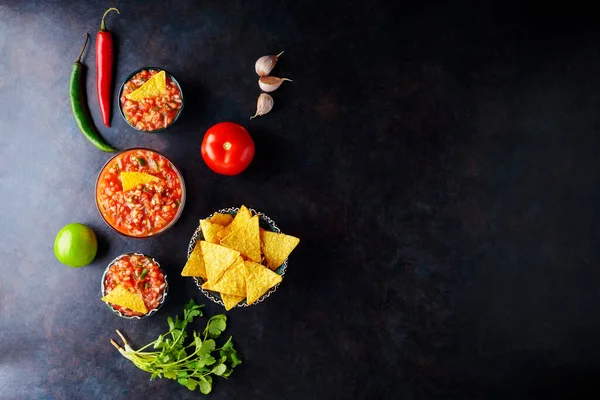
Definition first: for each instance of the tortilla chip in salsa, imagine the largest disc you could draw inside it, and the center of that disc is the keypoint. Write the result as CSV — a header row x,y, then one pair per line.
x,y
154,87
120,296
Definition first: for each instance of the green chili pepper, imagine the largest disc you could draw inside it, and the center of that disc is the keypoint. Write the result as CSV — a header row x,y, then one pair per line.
x,y
79,106
144,273
140,161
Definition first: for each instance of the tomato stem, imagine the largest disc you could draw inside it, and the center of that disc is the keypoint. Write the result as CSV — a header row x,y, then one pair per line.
x,y
227,146
102,24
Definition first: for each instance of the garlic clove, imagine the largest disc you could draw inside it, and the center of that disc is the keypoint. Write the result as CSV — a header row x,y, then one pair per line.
x,y
265,64
263,105
271,83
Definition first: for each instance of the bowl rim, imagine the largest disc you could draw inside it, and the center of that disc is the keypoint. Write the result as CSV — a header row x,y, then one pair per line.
x,y
215,296
149,313
131,76
179,211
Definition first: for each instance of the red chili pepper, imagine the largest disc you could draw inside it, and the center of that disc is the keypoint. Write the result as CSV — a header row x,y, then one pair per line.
x,y
104,68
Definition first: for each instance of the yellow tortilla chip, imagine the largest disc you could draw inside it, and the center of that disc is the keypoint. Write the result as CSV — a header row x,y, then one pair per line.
x,y
120,296
195,264
246,239
241,218
277,247
233,281
259,279
209,230
154,87
231,300
217,259
130,180
221,219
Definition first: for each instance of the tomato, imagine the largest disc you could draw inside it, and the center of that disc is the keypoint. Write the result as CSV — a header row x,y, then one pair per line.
x,y
227,148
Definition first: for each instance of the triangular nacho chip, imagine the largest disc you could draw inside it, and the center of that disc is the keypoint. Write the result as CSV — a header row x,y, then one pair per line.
x,y
120,296
277,247
209,230
217,259
154,87
221,219
195,264
233,281
259,279
241,218
130,180
246,239
231,300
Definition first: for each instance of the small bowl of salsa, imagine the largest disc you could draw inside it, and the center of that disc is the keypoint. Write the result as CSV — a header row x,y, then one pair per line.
x,y
140,275
140,193
150,114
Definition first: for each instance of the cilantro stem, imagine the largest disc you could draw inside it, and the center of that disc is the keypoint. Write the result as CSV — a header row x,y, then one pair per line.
x,y
172,361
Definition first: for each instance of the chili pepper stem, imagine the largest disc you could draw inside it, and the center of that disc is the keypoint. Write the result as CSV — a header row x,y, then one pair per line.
x,y
102,24
83,48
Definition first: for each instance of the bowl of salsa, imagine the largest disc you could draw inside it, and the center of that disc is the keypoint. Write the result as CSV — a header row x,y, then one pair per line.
x,y
139,274
140,193
155,113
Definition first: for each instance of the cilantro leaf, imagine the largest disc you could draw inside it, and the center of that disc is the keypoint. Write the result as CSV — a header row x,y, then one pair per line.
x,y
182,381
216,325
219,369
182,374
158,342
207,346
170,374
191,384
205,384
229,351
206,359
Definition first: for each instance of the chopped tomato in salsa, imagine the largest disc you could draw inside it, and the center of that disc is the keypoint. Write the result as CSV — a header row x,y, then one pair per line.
x,y
153,113
147,209
139,274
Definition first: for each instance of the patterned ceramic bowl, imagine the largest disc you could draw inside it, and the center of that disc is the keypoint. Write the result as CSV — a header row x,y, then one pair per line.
x,y
161,298
265,223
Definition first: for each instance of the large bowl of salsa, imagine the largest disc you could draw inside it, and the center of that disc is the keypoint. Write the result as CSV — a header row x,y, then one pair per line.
x,y
147,209
153,114
140,274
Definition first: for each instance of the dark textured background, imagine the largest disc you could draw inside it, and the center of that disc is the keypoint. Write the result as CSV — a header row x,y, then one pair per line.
x,y
439,164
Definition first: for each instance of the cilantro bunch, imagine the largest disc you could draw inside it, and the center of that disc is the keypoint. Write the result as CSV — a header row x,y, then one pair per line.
x,y
192,364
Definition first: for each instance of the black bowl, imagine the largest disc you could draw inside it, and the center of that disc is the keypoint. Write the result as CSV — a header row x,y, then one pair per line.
x,y
131,76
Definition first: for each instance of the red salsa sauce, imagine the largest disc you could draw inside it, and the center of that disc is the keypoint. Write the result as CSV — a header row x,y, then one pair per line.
x,y
153,113
138,274
146,209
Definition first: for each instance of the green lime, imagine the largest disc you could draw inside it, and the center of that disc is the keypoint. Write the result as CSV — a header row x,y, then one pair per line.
x,y
75,245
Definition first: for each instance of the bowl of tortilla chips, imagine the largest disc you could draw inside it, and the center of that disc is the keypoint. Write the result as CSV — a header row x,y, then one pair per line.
x,y
238,257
